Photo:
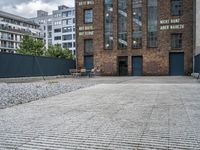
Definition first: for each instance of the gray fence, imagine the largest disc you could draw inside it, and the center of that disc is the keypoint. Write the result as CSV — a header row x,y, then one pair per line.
x,y
16,65
197,63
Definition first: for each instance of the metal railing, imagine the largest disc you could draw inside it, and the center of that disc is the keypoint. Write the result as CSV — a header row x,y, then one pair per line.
x,y
21,31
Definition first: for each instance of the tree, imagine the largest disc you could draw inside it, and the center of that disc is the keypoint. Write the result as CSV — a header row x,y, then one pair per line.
x,y
59,52
31,46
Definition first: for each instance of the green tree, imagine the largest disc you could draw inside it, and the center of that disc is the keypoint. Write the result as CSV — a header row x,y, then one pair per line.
x,y
31,46
59,52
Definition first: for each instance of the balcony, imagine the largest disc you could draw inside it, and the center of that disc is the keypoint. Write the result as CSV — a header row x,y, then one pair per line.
x,y
6,38
3,46
19,31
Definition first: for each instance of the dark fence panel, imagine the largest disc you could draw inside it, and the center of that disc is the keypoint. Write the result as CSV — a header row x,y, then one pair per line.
x,y
16,65
197,63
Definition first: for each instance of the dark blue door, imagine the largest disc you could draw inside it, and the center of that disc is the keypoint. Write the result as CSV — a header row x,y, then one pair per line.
x,y
88,62
137,66
176,64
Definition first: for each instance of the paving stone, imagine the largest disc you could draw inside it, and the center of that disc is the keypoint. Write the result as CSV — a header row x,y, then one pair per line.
x,y
115,116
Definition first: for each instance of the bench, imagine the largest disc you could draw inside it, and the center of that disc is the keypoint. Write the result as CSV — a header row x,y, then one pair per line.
x,y
82,72
92,73
196,75
75,73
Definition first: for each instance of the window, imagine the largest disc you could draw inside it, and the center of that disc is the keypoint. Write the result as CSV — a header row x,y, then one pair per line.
x,y
176,7
49,35
108,24
57,38
57,23
137,39
49,28
152,23
88,16
88,46
57,30
67,13
49,41
67,45
57,15
67,37
137,23
122,24
176,40
67,21
67,29
49,21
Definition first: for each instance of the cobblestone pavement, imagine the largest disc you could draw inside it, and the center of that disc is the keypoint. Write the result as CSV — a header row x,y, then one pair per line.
x,y
124,115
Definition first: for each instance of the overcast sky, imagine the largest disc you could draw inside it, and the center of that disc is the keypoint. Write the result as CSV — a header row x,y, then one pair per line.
x,y
28,8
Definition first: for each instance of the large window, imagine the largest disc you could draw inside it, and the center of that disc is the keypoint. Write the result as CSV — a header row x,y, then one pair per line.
x,y
56,15
176,7
57,30
88,46
152,23
108,24
137,23
57,38
67,37
57,22
67,13
67,29
176,40
49,28
67,21
49,35
122,24
88,16
67,45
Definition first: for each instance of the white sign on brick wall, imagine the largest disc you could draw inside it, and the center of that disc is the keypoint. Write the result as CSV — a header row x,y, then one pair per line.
x,y
171,24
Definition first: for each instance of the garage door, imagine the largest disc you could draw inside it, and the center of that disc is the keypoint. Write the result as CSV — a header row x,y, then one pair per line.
x,y
176,64
137,66
88,62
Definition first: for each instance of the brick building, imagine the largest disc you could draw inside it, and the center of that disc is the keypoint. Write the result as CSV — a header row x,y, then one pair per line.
x,y
135,37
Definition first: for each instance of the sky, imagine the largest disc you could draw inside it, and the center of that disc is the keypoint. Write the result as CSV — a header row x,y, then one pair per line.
x,y
28,8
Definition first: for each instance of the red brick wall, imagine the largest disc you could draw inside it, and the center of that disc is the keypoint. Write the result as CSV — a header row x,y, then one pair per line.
x,y
155,60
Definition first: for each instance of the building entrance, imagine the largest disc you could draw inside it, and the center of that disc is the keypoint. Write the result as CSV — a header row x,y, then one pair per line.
x,y
123,66
176,64
137,66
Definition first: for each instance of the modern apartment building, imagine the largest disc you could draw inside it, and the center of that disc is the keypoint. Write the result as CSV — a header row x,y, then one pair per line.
x,y
135,37
12,30
59,27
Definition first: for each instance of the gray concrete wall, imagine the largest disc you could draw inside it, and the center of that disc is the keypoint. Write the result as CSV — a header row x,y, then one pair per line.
x,y
197,27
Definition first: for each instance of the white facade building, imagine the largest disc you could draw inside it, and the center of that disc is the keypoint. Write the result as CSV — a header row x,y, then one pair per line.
x,y
59,27
12,30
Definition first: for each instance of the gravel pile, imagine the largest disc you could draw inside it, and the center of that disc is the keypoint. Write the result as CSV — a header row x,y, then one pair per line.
x,y
19,93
